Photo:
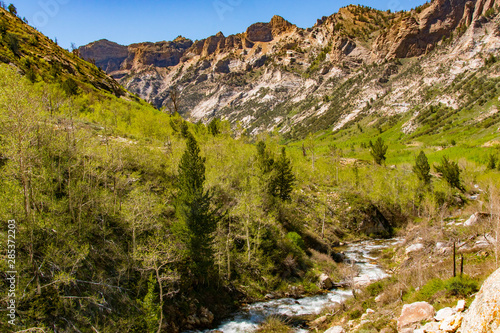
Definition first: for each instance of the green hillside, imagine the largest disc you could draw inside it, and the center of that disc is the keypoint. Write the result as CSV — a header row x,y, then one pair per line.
x,y
131,219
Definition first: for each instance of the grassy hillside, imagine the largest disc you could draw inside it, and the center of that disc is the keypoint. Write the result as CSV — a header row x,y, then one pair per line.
x,y
41,59
107,215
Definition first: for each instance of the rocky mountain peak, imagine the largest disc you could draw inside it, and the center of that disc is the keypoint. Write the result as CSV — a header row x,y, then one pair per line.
x,y
275,67
266,32
180,39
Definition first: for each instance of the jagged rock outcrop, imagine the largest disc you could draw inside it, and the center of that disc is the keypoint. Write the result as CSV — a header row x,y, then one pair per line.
x,y
416,34
265,32
344,67
114,57
107,55
483,316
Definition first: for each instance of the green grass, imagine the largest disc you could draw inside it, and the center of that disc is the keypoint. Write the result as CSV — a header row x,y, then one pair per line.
x,y
460,286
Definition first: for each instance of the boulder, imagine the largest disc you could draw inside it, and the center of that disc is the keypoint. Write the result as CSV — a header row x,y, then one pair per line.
x,y
325,282
335,329
413,314
451,324
483,315
414,248
472,220
431,327
207,317
460,306
444,313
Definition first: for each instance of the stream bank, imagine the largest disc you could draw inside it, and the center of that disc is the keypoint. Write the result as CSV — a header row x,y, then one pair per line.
x,y
362,254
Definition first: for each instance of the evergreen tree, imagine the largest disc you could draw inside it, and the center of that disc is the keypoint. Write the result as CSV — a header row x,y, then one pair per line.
x,y
378,150
214,127
150,308
450,172
196,219
492,162
264,158
282,179
12,9
422,168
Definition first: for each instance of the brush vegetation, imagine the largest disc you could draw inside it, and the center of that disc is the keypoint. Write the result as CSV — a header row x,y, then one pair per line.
x,y
131,219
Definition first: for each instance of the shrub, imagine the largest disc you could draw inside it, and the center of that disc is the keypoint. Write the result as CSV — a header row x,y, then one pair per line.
x,y
3,28
355,314
375,288
70,87
462,286
13,43
296,240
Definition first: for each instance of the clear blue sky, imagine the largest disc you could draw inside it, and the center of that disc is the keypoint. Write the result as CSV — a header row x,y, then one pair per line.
x,y
126,22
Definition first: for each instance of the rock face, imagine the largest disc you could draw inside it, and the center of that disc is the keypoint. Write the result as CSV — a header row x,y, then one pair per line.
x,y
413,314
414,36
113,57
483,316
265,32
343,68
107,55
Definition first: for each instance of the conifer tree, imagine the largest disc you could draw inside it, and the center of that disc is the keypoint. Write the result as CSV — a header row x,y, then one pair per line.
x,y
378,150
450,172
214,127
422,168
196,219
492,162
282,179
265,159
12,9
151,308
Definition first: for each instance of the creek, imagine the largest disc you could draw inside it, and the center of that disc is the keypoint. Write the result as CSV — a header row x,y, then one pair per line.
x,y
362,254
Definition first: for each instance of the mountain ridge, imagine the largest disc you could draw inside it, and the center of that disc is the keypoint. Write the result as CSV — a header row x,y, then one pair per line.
x,y
221,76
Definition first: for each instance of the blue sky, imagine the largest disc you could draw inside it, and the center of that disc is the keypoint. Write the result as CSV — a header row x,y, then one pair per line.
x,y
126,22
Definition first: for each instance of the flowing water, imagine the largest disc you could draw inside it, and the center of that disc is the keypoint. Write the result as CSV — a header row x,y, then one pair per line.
x,y
362,254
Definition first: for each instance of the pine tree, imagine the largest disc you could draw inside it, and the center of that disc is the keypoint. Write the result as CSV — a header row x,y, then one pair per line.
x,y
378,150
214,127
422,168
492,162
196,219
264,158
151,308
282,179
450,172
12,9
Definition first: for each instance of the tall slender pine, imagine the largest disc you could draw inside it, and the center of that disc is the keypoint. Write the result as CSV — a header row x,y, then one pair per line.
x,y
195,217
422,168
